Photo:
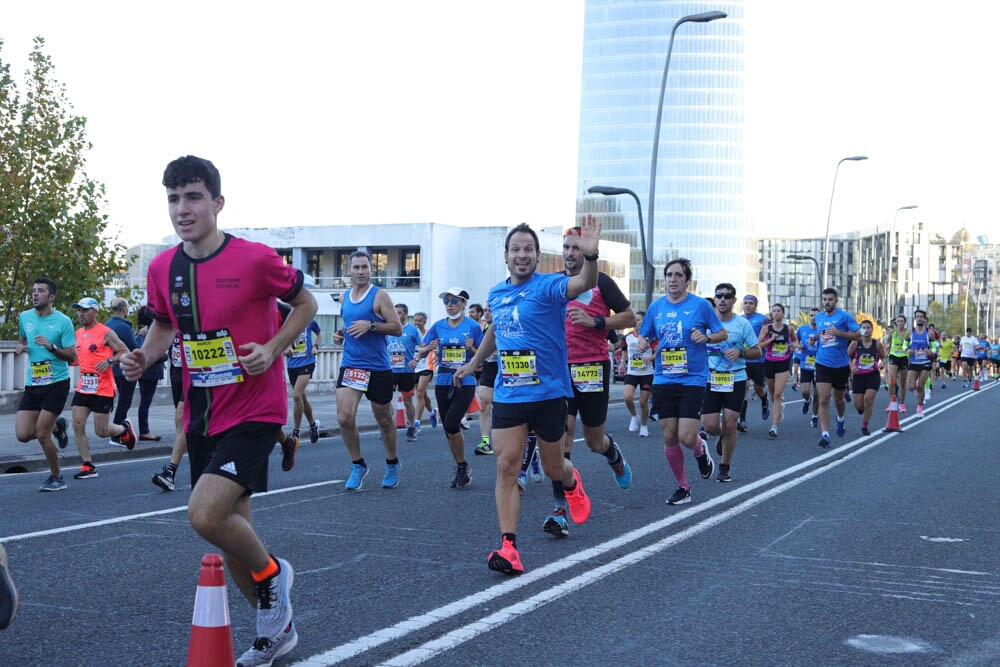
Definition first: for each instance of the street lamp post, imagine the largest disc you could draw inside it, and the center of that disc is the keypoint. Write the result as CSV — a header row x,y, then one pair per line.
x,y
704,17
826,241
889,294
648,271
810,258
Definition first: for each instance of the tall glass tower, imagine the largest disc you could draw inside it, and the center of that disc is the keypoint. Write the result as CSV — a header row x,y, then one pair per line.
x,y
699,211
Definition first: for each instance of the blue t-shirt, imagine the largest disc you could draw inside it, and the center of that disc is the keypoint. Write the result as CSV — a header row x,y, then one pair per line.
x,y
123,328
680,360
757,321
452,352
528,323
832,351
302,348
741,336
44,367
402,349
804,333
369,352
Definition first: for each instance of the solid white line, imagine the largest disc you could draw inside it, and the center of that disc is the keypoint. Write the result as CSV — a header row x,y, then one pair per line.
x,y
473,629
146,515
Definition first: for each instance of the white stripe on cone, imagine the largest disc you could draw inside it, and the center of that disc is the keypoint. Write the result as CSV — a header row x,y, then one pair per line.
x,y
211,608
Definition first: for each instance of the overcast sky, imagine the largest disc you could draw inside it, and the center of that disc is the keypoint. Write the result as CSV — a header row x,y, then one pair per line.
x,y
468,112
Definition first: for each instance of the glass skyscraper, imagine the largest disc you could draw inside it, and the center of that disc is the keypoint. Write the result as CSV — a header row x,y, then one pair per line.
x,y
699,211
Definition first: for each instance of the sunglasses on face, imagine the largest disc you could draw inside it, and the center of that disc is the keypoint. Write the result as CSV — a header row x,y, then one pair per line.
x,y
721,295
451,301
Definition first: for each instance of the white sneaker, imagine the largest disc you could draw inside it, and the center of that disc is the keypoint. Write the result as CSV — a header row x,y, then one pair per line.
x,y
265,651
643,432
274,609
633,425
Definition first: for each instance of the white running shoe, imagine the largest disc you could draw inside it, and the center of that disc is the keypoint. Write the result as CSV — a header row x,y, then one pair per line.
x,y
633,425
643,431
265,651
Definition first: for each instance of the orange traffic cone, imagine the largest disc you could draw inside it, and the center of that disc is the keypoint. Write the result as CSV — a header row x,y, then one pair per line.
x,y
975,384
400,413
211,637
474,406
892,425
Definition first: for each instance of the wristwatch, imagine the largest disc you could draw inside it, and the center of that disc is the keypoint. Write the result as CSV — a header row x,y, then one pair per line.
x,y
371,327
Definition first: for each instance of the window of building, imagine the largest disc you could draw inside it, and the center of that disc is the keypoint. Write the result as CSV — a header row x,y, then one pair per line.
x,y
314,264
409,268
285,254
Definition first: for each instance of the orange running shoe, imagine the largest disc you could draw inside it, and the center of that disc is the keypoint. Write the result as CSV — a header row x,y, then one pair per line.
x,y
579,503
505,559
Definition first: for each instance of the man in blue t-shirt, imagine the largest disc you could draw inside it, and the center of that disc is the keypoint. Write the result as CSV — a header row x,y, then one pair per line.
x,y
301,364
404,378
835,329
755,367
50,341
807,364
728,377
684,325
533,381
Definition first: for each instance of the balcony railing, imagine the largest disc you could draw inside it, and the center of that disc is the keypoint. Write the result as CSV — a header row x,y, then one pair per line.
x,y
389,282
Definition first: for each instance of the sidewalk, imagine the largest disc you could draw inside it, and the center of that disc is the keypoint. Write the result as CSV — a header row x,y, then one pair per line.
x,y
27,457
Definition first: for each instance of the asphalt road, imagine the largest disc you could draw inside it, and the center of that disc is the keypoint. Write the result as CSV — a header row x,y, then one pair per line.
x,y
881,551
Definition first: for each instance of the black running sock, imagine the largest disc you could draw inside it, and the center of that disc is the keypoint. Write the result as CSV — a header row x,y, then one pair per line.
x,y
558,491
360,462
172,468
724,468
512,537
763,401
612,454
743,411
391,462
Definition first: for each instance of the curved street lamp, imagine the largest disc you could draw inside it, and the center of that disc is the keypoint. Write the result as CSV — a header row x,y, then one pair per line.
x,y
889,294
648,271
704,17
809,258
826,241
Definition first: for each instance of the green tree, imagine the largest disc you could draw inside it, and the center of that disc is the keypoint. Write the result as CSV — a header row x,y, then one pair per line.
x,y
52,216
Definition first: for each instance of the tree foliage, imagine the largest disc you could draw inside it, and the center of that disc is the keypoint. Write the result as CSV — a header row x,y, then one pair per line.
x,y
52,216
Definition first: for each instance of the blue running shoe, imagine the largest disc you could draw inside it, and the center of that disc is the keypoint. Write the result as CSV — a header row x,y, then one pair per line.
x,y
390,480
824,441
622,470
556,523
841,428
358,473
434,418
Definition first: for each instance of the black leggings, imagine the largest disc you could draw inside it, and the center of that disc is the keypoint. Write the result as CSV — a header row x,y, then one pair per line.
x,y
453,403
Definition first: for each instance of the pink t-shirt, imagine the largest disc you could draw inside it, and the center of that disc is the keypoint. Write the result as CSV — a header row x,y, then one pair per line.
x,y
218,304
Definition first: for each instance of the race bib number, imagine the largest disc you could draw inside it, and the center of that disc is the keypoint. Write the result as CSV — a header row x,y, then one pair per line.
x,y
779,349
827,340
721,382
211,359
175,356
88,383
452,356
397,360
920,354
674,360
299,348
356,378
41,373
518,368
587,378
866,362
